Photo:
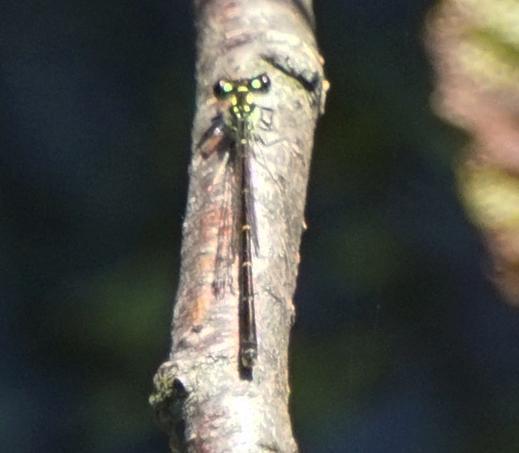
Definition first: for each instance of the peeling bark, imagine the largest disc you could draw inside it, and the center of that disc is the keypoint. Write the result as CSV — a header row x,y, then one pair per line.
x,y
202,398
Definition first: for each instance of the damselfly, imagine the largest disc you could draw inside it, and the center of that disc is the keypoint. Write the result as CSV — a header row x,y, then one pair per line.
x,y
239,122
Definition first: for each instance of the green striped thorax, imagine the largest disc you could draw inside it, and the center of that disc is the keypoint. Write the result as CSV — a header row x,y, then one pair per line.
x,y
240,94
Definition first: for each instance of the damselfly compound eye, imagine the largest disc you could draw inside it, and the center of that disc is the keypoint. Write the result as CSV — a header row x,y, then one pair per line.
x,y
222,89
260,83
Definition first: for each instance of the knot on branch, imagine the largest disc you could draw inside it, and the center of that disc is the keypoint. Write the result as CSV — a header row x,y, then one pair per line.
x,y
168,399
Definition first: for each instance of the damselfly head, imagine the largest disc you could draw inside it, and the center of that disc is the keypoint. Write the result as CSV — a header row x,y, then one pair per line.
x,y
225,88
240,93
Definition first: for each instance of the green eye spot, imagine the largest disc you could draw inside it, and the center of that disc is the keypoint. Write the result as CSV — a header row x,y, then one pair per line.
x,y
256,84
227,87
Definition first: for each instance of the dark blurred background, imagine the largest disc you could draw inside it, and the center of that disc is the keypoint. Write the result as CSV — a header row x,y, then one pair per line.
x,y
401,344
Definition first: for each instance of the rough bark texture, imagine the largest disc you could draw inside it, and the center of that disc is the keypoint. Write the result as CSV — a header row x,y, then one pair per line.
x,y
201,397
475,48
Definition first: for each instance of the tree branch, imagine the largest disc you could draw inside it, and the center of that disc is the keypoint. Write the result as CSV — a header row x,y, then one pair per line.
x,y
202,398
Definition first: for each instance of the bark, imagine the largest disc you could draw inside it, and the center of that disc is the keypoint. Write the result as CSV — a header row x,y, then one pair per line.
x,y
202,397
475,49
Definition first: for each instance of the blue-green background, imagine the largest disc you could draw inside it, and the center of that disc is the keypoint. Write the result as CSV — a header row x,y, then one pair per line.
x,y
401,344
